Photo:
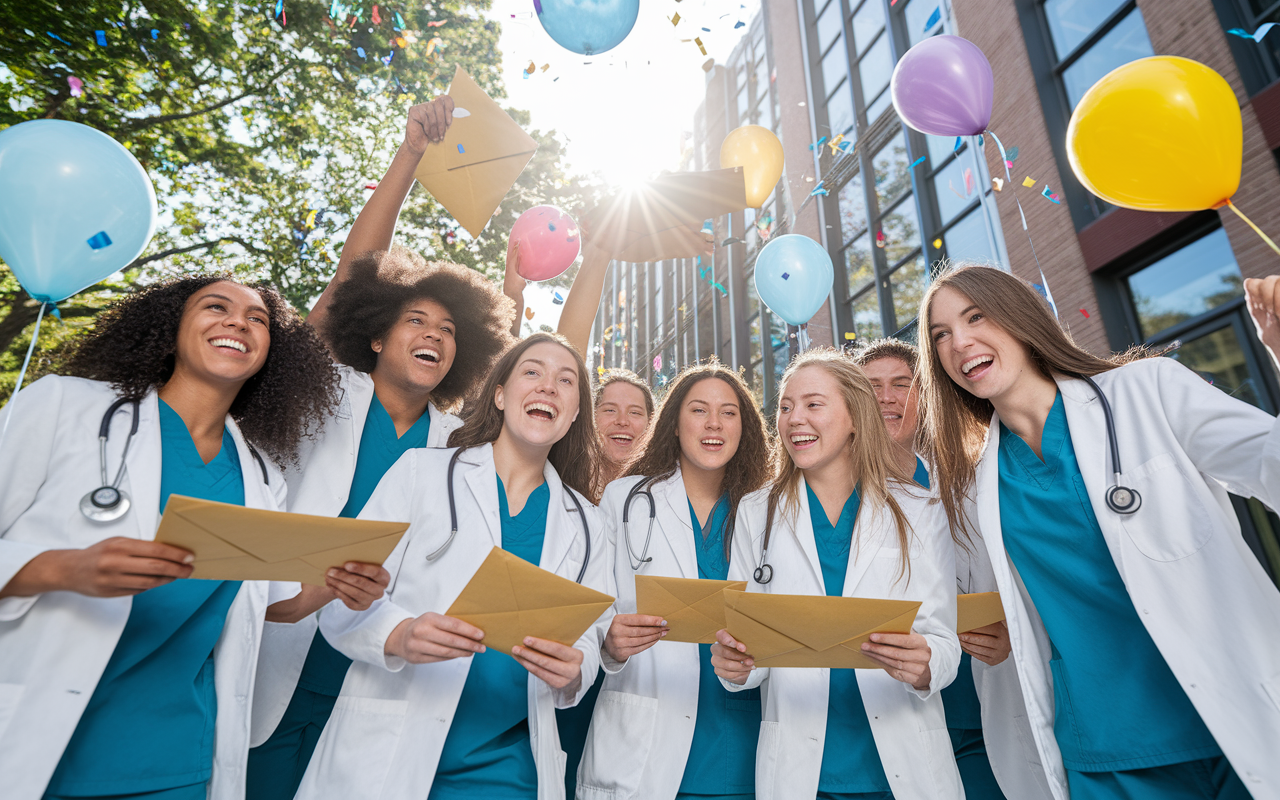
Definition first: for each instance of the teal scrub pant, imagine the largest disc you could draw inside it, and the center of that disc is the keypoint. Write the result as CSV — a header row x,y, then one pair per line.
x,y
975,768
858,796
687,796
277,765
1206,779
196,791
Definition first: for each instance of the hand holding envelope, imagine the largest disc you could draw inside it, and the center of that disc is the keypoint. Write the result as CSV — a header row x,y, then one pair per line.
x,y
975,611
693,608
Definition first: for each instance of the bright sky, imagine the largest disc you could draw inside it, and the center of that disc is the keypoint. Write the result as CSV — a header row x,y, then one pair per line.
x,y
623,113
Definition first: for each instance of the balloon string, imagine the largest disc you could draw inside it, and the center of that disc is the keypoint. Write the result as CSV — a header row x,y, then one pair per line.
x,y
1249,222
1044,282
8,414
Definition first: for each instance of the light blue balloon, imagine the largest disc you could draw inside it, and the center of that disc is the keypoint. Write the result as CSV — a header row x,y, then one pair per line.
x,y
589,27
75,206
794,277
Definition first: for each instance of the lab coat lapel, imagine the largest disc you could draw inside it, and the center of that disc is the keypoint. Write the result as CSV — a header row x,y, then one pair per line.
x,y
481,479
870,529
677,527
564,526
360,391
1087,427
143,463
804,535
257,494
986,487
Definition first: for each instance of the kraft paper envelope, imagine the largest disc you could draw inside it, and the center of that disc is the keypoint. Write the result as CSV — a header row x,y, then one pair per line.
x,y
693,608
978,611
789,630
476,164
661,218
508,598
234,543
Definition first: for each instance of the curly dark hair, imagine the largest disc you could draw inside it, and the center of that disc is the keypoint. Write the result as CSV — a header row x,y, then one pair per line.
x,y
132,346
747,471
576,456
381,284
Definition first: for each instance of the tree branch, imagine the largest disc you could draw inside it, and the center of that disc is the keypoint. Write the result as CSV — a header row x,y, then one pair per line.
x,y
146,122
174,251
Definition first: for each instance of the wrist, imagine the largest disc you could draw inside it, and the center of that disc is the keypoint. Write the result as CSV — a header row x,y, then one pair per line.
x,y
44,573
394,646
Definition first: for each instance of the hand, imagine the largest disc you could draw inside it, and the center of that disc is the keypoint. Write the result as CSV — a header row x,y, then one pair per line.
x,y
602,229
115,567
557,665
357,585
433,637
990,645
905,656
730,659
1263,298
427,123
633,633
512,284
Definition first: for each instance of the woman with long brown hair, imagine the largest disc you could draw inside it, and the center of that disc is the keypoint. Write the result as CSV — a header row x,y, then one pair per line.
x,y
843,518
1141,624
454,719
664,727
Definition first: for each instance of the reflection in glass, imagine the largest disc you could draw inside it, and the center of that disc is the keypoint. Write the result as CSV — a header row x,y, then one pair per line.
x,y
875,68
967,240
901,231
853,209
940,149
1071,21
866,316
917,13
829,24
1185,284
892,170
743,105
957,186
858,266
840,111
762,77
1126,42
867,22
878,106
835,66
907,284
1219,359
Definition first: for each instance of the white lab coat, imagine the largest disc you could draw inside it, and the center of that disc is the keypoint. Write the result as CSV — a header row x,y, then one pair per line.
x,y
55,646
644,718
389,724
1198,589
320,484
909,726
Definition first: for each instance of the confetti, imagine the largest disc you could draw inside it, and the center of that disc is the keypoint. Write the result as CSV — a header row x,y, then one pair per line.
x,y
937,243
59,38
657,362
528,313
551,226
934,19
997,183
438,23
1029,182
76,85
818,144
739,25
786,275
1011,155
848,337
371,186
708,30
1086,313
360,52
461,149
399,21
959,142
546,67
280,8
101,37
698,42
155,34
311,218
834,144
557,299
460,112
387,58
1050,196
1257,35
917,162
530,69
99,240
968,181
377,18
820,189
881,240
600,371
773,77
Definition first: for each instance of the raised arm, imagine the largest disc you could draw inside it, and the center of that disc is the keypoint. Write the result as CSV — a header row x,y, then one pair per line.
x,y
375,227
513,285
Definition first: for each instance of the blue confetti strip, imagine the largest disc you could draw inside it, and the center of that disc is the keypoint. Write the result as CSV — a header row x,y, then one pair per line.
x,y
460,149
155,34
101,37
817,144
959,142
59,38
99,240
934,19
917,162
739,25
786,275
1257,35
551,225
360,52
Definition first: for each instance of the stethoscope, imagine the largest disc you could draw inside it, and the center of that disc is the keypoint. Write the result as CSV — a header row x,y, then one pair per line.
x,y
453,520
641,489
1119,498
108,503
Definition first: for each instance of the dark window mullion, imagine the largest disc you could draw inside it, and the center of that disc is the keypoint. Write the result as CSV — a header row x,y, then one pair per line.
x,y
1102,30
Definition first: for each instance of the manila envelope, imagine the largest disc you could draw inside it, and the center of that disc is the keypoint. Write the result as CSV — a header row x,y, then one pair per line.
x,y
508,598
476,164
693,608
661,218
234,543
977,611
789,630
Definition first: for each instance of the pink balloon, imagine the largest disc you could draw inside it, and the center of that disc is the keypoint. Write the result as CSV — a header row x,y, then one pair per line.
x,y
548,240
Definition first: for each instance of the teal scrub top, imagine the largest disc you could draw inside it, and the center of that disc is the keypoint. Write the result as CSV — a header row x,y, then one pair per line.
x,y
722,757
487,752
850,761
149,725
1117,703
325,668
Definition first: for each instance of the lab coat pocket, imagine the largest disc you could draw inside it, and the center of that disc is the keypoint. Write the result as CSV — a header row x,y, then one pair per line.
x,y
618,744
364,725
767,746
1172,522
10,697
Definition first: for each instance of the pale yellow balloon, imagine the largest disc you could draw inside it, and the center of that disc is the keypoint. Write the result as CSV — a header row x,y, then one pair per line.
x,y
759,153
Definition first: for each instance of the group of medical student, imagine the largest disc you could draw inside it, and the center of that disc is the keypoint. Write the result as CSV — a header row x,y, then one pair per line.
x,y
1138,658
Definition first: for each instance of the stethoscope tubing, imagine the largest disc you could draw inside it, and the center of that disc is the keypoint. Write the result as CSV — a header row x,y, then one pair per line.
x,y
643,488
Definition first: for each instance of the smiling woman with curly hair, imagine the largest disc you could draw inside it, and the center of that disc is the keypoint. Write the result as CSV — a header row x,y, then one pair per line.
x,y
176,384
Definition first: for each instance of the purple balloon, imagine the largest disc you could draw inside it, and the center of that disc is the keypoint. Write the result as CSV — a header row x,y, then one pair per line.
x,y
943,87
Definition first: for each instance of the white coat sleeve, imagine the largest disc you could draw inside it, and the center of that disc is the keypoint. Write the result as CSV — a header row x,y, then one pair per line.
x,y
591,643
362,635
25,456
1227,439
743,554
933,571
609,518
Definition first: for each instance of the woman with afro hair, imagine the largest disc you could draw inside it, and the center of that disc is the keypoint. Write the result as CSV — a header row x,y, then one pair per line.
x,y
412,338
117,676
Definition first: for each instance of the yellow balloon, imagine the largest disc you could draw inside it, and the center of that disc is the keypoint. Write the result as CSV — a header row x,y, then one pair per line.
x,y
759,153
1158,134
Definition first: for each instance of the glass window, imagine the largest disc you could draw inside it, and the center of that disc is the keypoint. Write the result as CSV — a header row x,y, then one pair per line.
x,y
940,148
743,105
876,68
917,14
866,316
1185,284
1071,21
957,186
1219,359
892,170
835,66
901,231
1126,42
762,77
878,106
840,110
867,22
967,240
829,24
907,283
852,201
860,270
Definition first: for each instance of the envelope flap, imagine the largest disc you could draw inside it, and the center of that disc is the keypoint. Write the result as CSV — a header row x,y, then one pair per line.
x,y
978,611
505,582
823,622
486,133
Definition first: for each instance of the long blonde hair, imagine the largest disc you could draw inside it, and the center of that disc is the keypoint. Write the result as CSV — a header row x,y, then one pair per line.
x,y
955,421
874,465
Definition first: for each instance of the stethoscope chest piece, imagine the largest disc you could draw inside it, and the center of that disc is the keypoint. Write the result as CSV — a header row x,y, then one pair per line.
x,y
1123,500
104,504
